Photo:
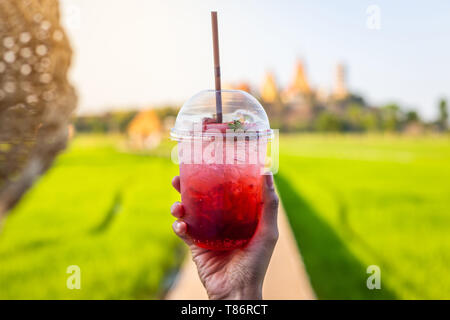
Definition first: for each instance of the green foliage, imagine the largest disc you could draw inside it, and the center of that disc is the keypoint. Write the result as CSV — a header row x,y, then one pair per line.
x,y
166,111
354,116
328,122
355,201
412,116
101,209
351,114
356,99
390,116
116,121
443,114
370,122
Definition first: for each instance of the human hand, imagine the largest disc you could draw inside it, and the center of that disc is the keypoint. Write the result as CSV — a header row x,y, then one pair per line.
x,y
239,273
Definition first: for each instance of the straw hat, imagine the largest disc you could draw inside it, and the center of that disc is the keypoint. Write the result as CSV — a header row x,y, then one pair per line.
x,y
36,99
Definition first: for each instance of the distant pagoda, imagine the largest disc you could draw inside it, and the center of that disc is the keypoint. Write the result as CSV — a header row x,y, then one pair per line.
x,y
340,91
298,105
269,89
300,84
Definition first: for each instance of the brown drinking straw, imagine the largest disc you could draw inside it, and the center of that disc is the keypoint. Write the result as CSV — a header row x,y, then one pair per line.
x,y
215,34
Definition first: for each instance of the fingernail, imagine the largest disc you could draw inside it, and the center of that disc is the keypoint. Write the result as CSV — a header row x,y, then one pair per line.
x,y
269,180
172,207
176,226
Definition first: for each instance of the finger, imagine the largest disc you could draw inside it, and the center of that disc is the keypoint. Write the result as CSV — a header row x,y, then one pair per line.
x,y
267,231
177,210
270,201
180,229
176,183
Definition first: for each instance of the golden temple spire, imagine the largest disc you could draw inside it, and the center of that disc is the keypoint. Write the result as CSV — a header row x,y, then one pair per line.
x,y
269,90
300,83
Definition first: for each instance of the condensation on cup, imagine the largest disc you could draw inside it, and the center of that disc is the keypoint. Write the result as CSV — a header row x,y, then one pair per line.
x,y
222,167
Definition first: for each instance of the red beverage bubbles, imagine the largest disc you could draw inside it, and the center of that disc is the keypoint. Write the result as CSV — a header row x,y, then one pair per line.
x,y
223,202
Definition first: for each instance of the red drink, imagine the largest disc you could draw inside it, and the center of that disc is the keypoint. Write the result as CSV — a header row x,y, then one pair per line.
x,y
221,167
223,201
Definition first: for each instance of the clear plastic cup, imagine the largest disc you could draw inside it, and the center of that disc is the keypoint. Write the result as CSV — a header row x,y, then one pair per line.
x,y
221,167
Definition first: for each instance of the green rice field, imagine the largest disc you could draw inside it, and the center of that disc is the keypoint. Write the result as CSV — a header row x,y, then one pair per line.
x,y
356,201
353,201
102,209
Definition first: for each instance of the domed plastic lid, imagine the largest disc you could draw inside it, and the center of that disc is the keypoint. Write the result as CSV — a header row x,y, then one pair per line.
x,y
242,114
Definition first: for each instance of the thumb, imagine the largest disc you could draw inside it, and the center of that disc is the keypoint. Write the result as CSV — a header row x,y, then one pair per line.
x,y
268,229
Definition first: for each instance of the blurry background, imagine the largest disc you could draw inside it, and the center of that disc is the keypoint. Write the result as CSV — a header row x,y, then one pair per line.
x,y
358,89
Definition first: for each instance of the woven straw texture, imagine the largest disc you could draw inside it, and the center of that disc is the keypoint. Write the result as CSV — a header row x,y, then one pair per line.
x,y
36,99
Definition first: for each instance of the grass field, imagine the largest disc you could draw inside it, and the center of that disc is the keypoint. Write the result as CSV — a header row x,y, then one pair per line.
x,y
359,201
98,208
353,201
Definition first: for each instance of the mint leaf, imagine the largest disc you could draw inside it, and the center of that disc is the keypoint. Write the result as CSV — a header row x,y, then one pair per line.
x,y
235,125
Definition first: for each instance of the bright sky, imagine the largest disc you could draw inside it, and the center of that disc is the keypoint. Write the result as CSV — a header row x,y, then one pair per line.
x,y
144,52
